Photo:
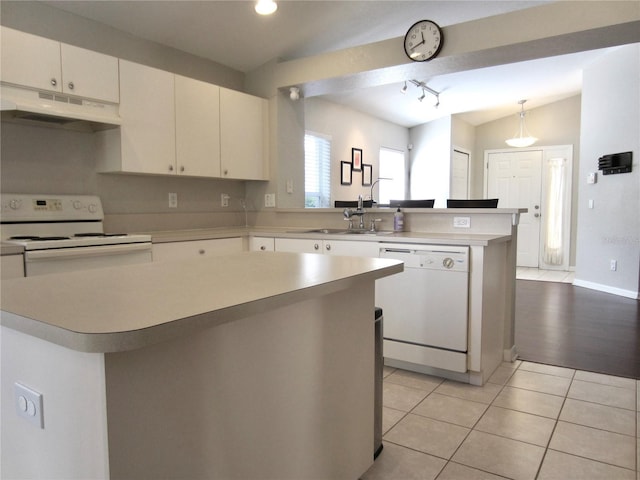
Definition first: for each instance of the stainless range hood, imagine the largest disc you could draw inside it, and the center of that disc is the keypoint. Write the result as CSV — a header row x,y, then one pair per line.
x,y
51,109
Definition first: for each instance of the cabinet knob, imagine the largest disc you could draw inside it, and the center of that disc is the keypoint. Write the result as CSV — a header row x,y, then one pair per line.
x,y
316,246
263,247
54,82
202,251
71,86
328,246
226,172
171,168
182,168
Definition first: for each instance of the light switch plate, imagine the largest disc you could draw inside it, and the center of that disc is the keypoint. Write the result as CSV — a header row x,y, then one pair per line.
x,y
29,404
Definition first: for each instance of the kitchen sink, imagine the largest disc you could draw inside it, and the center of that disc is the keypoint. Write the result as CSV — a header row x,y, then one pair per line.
x,y
341,231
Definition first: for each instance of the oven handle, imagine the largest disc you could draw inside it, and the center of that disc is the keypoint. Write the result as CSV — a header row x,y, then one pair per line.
x,y
99,251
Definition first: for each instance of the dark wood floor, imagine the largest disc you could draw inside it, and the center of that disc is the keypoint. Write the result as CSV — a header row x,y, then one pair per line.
x,y
559,324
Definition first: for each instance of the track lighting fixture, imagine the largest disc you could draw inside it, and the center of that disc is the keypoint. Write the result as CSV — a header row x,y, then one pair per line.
x,y
425,89
522,138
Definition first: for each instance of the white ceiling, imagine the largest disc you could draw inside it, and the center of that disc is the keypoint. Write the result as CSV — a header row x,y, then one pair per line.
x,y
232,34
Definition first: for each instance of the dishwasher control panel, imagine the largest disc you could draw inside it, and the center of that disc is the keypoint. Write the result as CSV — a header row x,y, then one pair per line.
x,y
433,257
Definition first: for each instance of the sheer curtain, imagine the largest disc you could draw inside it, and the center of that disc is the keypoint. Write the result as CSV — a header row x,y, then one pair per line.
x,y
554,249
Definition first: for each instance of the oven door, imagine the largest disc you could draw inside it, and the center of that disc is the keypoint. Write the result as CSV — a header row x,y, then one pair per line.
x,y
61,260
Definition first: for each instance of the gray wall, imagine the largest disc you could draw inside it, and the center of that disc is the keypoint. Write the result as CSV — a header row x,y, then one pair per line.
x,y
610,124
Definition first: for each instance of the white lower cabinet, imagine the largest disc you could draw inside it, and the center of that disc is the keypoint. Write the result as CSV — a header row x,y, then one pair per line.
x,y
262,244
354,248
196,248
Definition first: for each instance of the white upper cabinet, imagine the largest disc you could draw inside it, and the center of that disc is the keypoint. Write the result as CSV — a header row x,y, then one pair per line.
x,y
197,127
147,109
30,60
44,64
243,136
89,74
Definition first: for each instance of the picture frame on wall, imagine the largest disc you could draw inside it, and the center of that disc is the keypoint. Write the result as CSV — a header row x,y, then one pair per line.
x,y
356,159
367,173
345,173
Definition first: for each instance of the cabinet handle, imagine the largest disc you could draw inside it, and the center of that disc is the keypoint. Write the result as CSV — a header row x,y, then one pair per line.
x,y
328,246
71,85
263,247
54,82
171,168
202,251
316,246
182,168
226,172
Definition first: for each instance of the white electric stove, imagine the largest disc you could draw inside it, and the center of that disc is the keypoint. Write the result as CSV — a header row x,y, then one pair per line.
x,y
63,233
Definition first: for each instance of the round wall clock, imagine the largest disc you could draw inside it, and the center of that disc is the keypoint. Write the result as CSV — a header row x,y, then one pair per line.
x,y
423,41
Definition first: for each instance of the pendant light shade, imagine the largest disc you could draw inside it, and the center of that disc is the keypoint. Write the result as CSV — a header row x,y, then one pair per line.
x,y
266,7
522,138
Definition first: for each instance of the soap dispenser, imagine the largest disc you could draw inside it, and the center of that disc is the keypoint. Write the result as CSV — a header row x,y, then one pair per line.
x,y
398,221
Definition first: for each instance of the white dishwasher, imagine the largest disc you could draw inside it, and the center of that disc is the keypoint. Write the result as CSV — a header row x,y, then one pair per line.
x,y
426,306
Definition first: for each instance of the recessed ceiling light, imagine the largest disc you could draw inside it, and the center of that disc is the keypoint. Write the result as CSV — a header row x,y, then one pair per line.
x,y
266,7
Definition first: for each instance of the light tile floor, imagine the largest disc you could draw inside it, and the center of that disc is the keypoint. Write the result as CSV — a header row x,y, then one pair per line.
x,y
529,421
528,273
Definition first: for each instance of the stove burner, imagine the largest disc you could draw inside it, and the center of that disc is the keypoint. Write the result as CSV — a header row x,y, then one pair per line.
x,y
24,237
37,239
89,234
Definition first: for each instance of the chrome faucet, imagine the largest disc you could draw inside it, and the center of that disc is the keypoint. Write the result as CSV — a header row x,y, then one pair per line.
x,y
360,211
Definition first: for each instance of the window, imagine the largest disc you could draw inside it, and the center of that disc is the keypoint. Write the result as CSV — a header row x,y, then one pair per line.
x,y
317,171
391,175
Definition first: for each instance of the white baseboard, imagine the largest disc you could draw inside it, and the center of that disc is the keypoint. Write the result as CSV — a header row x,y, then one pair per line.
x,y
607,289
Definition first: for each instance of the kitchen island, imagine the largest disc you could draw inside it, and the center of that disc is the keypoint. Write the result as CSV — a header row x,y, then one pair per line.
x,y
245,366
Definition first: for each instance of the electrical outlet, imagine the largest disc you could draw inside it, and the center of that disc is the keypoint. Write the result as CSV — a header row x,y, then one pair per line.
x,y
270,200
29,404
224,200
614,265
462,222
173,200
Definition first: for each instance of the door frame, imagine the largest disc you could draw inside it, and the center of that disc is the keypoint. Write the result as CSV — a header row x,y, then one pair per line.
x,y
548,152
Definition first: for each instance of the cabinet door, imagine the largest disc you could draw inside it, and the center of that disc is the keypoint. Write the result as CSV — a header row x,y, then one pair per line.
x,y
262,244
355,248
197,127
196,248
147,109
89,74
30,60
243,145
298,245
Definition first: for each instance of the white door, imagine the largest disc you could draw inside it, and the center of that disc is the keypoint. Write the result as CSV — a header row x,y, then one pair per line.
x,y
514,178
459,175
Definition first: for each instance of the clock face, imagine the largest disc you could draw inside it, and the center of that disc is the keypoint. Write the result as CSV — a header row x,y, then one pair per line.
x,y
423,41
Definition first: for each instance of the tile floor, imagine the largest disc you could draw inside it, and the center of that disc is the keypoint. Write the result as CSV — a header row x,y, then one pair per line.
x,y
528,273
529,421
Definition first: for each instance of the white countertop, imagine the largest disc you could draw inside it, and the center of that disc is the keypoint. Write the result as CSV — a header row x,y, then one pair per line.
x,y
123,308
481,239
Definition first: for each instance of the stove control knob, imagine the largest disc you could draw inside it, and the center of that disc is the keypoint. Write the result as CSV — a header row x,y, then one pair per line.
x,y
15,204
93,208
77,204
447,262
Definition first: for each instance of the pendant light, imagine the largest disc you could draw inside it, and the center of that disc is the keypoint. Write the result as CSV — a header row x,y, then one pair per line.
x,y
266,7
522,138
